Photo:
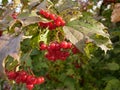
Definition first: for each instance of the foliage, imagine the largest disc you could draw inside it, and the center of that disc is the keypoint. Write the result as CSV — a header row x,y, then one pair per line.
x,y
95,67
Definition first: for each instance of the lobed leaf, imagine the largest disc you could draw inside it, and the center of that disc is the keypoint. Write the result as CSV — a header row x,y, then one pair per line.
x,y
9,45
91,30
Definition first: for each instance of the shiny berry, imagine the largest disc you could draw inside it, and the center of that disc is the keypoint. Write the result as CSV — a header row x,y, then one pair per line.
x,y
52,16
40,80
29,86
63,44
43,46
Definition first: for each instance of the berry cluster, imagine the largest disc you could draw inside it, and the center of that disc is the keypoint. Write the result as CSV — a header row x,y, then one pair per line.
x,y
58,51
24,77
57,21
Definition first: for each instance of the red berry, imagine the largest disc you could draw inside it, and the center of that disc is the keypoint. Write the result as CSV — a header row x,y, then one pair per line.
x,y
43,24
46,14
69,45
31,80
52,16
52,46
23,78
51,26
59,18
43,46
40,80
52,58
29,86
18,79
62,23
11,75
57,23
28,79
75,50
57,46
63,44
42,11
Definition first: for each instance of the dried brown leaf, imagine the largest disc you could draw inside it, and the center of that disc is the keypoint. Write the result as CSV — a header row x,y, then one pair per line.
x,y
9,45
30,20
76,37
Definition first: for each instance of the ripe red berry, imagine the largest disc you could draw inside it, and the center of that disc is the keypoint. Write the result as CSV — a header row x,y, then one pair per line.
x,y
28,79
46,14
40,80
57,23
75,50
29,86
59,18
63,44
52,58
32,80
43,46
69,45
41,11
62,23
52,16
43,24
11,75
23,78
52,46
18,79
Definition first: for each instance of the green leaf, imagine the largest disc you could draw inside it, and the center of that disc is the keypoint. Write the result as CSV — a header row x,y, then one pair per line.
x,y
69,82
70,72
43,36
11,63
113,66
113,84
4,2
26,58
34,41
108,78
